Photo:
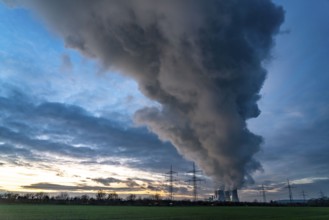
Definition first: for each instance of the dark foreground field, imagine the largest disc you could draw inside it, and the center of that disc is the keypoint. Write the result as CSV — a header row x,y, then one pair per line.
x,y
58,212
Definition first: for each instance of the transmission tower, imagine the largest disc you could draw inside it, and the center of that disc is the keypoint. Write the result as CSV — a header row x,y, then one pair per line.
x,y
171,181
290,191
304,195
194,179
263,193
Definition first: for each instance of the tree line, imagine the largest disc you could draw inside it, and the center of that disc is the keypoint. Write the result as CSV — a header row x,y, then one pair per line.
x,y
101,197
112,198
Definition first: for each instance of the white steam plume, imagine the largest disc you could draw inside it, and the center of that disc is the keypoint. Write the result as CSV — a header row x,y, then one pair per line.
x,y
202,60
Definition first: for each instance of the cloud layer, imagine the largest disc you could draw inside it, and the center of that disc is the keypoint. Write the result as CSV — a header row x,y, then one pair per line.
x,y
31,129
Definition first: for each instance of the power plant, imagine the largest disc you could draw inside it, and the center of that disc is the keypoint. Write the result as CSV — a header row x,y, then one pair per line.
x,y
222,195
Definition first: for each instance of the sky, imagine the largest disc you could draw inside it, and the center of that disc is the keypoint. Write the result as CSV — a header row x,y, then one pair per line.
x,y
67,122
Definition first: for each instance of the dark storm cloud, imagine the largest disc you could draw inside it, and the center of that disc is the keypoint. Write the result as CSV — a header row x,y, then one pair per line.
x,y
300,154
58,187
17,155
106,181
181,190
103,162
274,190
269,186
313,189
155,186
201,60
42,145
131,183
29,127
9,150
302,151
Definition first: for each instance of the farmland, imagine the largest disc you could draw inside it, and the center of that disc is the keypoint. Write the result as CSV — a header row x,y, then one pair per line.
x,y
78,212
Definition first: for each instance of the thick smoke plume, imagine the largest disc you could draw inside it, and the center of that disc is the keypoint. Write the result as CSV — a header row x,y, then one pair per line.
x,y
201,60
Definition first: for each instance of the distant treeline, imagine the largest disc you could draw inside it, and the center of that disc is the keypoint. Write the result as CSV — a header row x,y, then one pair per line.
x,y
102,198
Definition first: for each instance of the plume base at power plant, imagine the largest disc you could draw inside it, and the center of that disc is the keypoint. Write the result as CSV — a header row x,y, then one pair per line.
x,y
222,195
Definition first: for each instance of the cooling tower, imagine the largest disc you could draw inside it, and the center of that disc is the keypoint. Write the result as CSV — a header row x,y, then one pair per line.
x,y
234,195
227,195
220,195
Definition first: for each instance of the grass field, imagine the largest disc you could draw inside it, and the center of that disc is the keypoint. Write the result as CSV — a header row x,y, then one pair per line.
x,y
66,212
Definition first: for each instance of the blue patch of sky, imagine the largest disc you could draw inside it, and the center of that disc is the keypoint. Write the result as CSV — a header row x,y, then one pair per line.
x,y
295,92
295,108
31,59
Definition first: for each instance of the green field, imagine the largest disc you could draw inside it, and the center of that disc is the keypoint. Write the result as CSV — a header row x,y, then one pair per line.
x,y
58,212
